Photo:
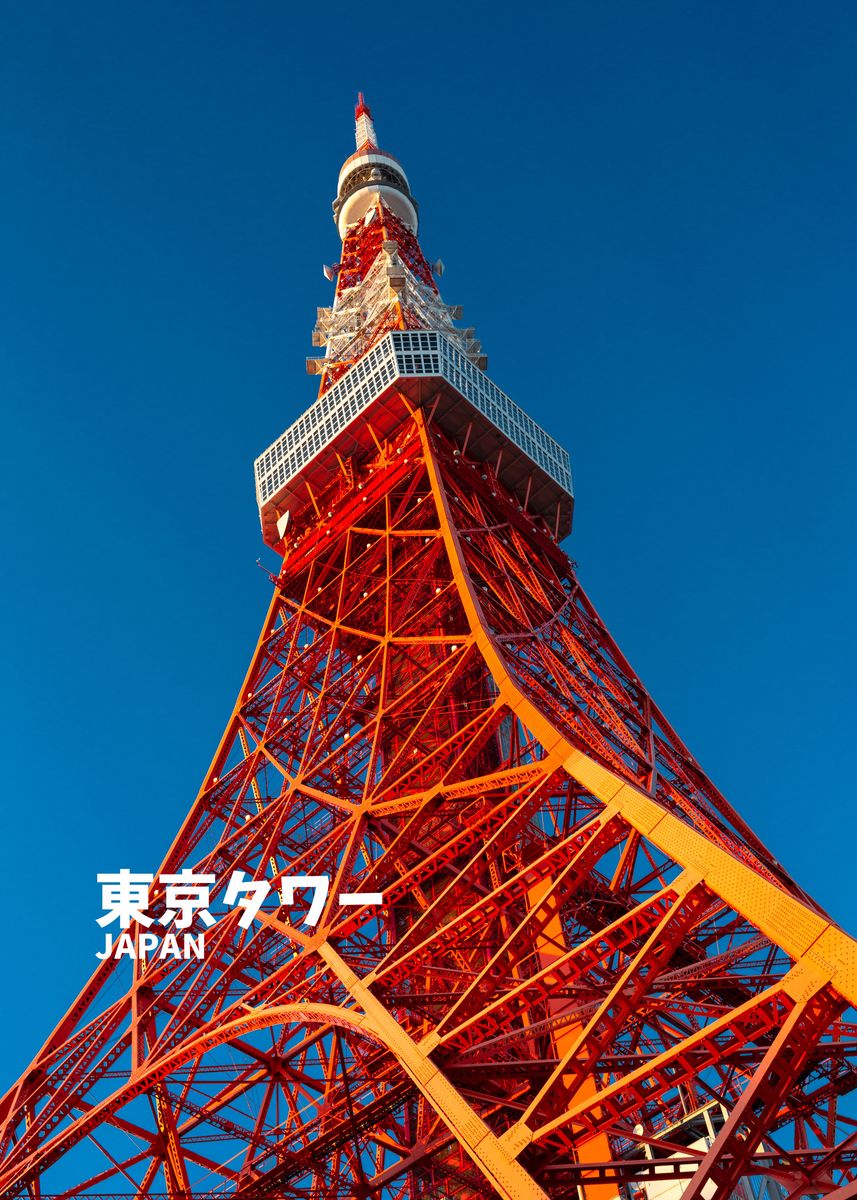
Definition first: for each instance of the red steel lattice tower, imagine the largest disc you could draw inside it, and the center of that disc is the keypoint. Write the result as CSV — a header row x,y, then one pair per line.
x,y
585,974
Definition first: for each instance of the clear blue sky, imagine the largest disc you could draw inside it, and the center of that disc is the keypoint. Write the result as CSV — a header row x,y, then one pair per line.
x,y
647,211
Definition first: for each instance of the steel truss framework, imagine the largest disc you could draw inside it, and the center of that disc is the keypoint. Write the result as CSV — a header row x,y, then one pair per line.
x,y
581,945
383,283
580,941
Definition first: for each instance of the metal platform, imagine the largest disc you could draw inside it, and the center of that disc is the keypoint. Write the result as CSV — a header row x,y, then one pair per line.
x,y
431,372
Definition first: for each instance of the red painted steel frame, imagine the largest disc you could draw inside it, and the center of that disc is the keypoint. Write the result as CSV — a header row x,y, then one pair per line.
x,y
581,945
371,743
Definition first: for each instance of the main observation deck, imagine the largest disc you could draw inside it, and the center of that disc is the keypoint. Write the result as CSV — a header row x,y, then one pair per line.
x,y
430,371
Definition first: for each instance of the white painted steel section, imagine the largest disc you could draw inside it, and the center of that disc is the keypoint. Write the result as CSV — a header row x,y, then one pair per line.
x,y
401,354
364,131
357,205
374,158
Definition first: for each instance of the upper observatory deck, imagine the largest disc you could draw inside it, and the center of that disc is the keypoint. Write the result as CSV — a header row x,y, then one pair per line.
x,y
389,336
427,367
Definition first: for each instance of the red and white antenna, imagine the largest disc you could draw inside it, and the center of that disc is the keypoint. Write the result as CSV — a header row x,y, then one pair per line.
x,y
364,128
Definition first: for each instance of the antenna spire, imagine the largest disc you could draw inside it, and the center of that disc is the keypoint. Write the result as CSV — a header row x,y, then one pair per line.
x,y
364,128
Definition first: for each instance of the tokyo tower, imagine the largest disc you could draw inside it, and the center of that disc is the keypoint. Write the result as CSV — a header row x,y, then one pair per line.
x,y
475,922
